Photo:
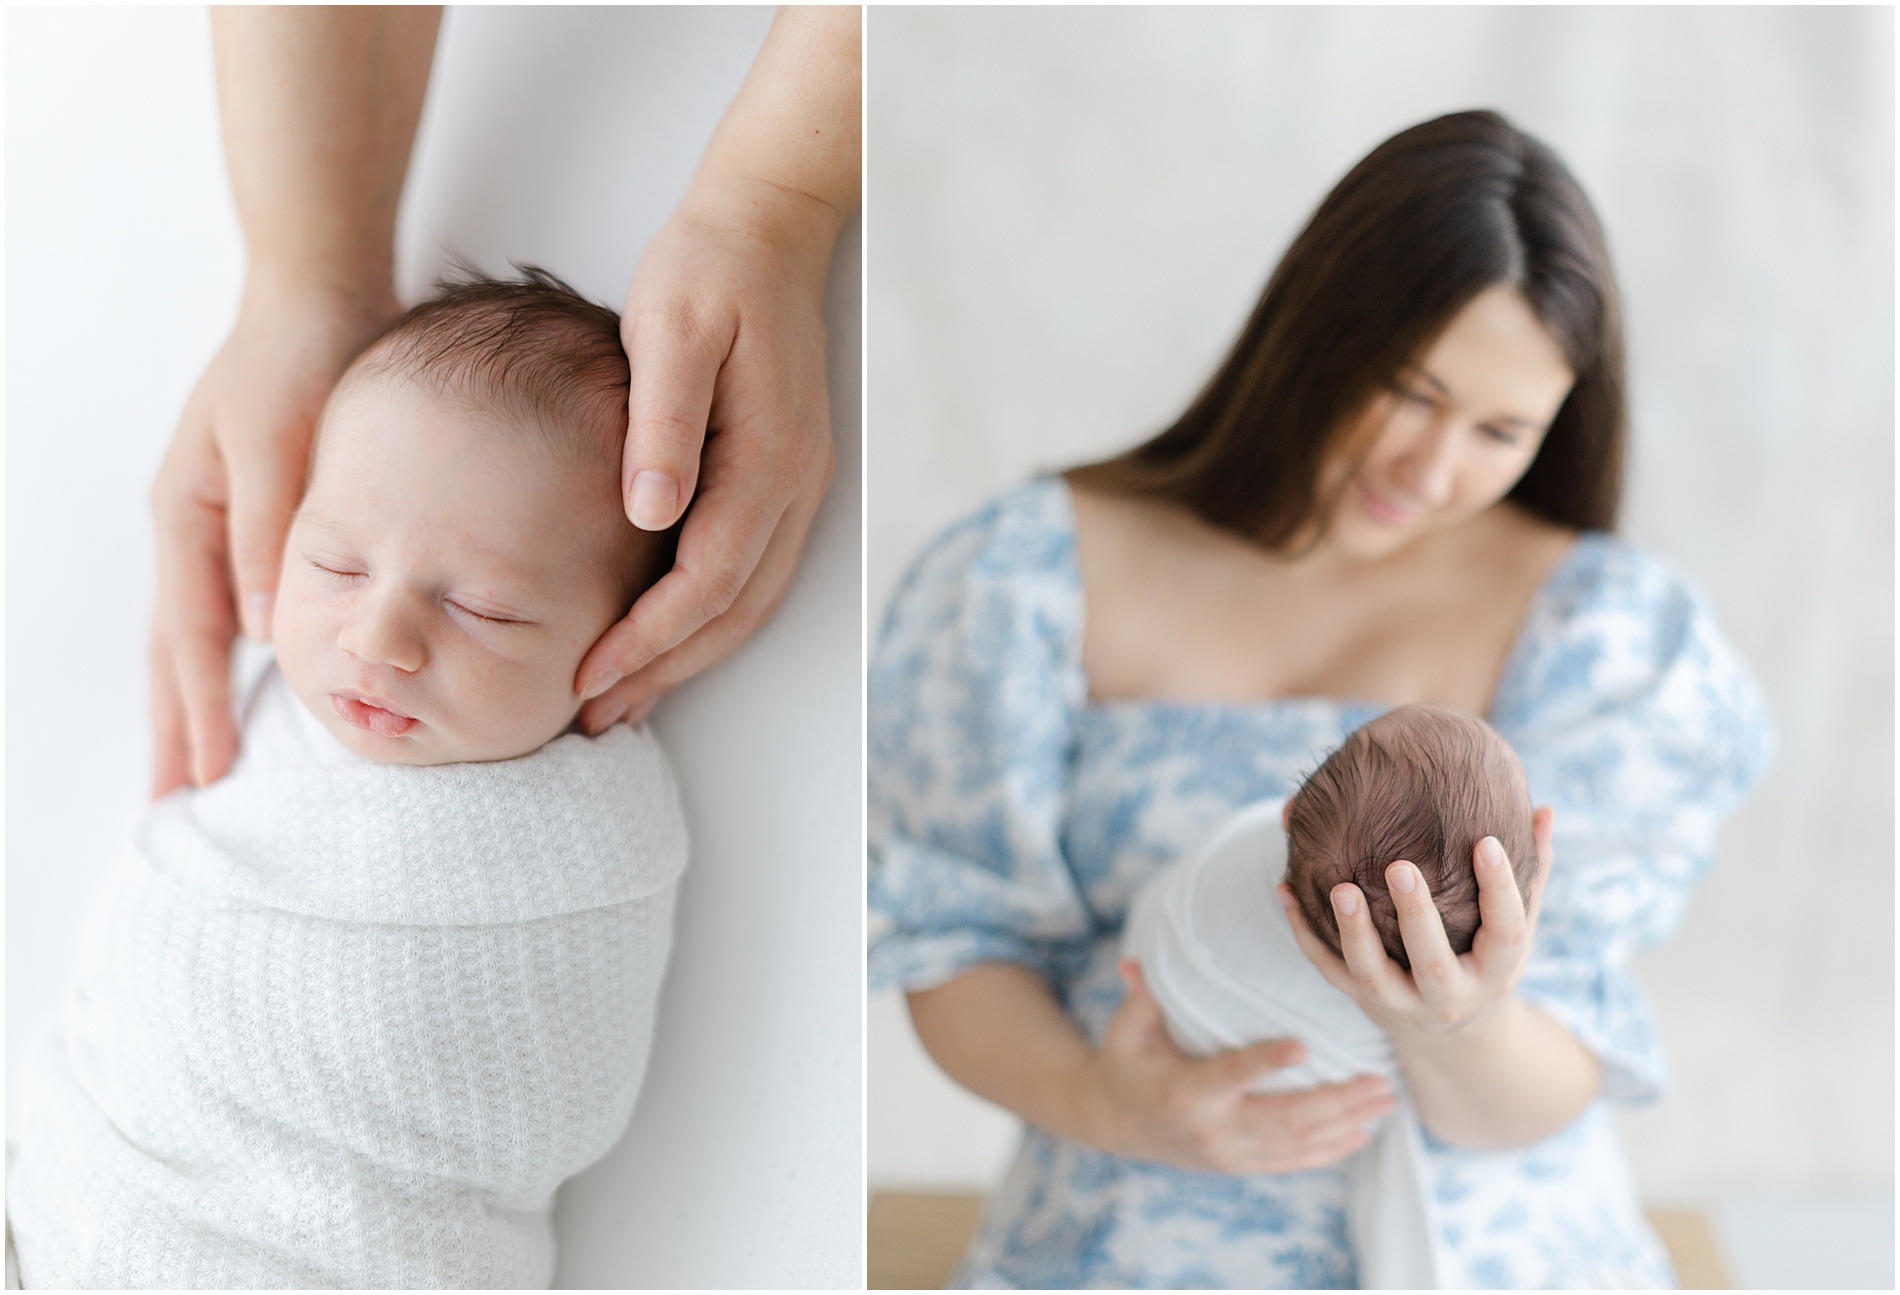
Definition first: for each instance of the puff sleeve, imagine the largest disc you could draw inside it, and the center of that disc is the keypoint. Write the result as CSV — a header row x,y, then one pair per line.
x,y
972,700
1638,722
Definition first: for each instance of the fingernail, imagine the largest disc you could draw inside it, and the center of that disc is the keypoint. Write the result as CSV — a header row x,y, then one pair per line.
x,y
1345,903
257,612
608,718
1403,878
654,501
1490,852
599,684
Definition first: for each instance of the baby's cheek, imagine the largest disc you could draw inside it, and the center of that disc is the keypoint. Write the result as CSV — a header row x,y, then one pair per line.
x,y
296,635
521,704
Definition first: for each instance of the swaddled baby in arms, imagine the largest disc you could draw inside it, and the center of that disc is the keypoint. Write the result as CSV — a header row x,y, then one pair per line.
x,y
1218,951
349,1016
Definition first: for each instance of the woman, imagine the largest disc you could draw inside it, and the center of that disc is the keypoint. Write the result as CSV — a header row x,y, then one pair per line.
x,y
1398,487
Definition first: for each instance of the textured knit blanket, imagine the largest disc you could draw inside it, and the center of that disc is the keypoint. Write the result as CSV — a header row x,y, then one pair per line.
x,y
1216,949
339,1024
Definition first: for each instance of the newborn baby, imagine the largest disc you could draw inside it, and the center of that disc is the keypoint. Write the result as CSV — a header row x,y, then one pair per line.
x,y
349,1016
1420,784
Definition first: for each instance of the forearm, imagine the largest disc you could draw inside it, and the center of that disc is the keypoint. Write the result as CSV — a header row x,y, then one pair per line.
x,y
1509,1079
785,157
999,1031
319,109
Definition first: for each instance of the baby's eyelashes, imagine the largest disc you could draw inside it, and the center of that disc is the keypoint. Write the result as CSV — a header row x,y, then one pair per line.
x,y
491,618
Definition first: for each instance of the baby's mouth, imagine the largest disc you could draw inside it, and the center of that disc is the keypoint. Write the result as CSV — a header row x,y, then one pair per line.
x,y
366,714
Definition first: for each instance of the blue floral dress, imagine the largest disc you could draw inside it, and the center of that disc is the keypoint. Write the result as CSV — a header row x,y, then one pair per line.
x,y
1012,820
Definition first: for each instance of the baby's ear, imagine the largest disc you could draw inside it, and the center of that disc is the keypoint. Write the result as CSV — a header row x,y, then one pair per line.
x,y
1286,815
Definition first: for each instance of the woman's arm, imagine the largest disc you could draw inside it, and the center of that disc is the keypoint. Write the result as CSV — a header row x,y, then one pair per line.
x,y
1486,1070
1508,1079
724,328
319,107
999,1031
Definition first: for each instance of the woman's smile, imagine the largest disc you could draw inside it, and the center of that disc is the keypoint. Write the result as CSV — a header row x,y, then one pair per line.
x,y
1383,509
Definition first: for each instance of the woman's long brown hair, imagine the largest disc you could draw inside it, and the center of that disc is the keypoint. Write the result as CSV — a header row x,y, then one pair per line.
x,y
1428,220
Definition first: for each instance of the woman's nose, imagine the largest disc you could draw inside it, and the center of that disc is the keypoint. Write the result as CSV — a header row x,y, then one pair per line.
x,y
1428,467
383,631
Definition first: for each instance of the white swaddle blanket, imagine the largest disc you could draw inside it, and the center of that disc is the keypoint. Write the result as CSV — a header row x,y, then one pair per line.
x,y
337,1023
1215,947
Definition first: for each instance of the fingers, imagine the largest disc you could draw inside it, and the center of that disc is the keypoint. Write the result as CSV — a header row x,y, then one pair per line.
x,y
1289,1132
1323,1111
716,640
1543,822
742,516
1374,975
264,489
675,355
1434,966
1502,922
1137,1023
171,749
1329,964
194,625
1244,1067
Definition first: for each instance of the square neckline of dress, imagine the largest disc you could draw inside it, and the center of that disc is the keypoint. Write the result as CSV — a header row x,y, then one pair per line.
x,y
1072,573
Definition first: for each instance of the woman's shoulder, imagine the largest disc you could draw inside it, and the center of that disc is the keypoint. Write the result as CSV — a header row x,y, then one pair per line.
x,y
1617,631
1017,549
1606,576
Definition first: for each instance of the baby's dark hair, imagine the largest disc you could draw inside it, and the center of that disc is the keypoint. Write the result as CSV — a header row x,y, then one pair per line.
x,y
536,350
1422,784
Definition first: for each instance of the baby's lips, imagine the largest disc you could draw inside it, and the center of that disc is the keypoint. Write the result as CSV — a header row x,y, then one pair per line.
x,y
375,719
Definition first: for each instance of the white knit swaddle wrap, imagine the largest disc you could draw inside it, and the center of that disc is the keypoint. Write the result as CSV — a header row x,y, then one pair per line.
x,y
345,1024
1215,947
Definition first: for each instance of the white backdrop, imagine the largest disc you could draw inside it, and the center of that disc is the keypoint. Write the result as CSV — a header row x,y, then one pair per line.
x,y
1071,212
561,136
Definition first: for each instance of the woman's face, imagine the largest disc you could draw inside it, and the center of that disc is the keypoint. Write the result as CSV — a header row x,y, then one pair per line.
x,y
1452,433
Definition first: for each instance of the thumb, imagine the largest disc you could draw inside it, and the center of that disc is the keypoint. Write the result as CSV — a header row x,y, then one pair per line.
x,y
673,371
1139,1015
263,499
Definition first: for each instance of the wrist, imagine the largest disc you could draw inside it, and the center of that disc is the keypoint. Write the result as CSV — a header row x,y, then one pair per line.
x,y
799,227
1487,1030
1083,1108
355,296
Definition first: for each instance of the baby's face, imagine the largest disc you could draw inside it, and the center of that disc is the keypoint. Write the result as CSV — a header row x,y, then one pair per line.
x,y
443,578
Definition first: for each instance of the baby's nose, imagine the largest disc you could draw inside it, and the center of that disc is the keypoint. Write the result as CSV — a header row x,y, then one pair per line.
x,y
384,632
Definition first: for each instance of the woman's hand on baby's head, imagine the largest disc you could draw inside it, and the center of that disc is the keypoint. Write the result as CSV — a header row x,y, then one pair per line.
x,y
222,504
1444,991
1154,1102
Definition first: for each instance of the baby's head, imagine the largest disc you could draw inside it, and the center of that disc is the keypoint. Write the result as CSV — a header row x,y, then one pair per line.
x,y
461,541
1420,784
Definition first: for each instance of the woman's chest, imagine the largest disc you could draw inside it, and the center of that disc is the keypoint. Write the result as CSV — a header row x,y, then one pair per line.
x,y
1226,636
1151,779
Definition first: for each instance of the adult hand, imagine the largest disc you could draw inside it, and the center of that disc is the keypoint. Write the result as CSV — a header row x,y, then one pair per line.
x,y
222,504
724,331
1157,1103
1444,993
725,336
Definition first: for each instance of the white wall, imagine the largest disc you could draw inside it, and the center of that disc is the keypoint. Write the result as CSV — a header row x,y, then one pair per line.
x,y
561,136
1072,211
